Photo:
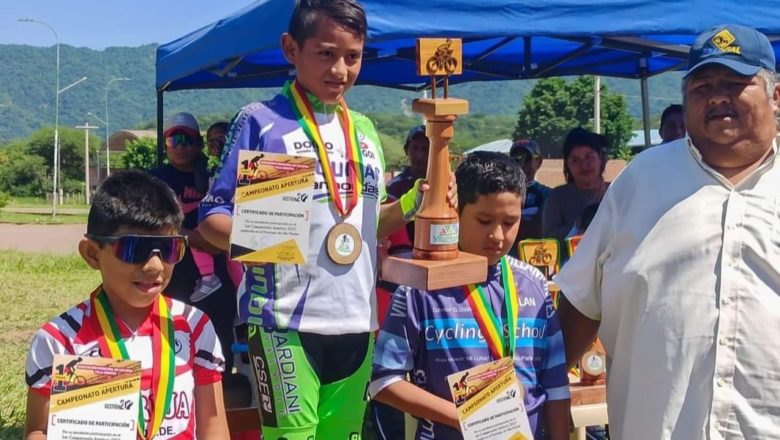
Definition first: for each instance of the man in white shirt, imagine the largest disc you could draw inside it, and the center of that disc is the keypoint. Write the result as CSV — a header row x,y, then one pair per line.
x,y
679,273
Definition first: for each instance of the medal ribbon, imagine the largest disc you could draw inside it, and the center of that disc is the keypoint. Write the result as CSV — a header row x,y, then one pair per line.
x,y
499,344
163,370
305,114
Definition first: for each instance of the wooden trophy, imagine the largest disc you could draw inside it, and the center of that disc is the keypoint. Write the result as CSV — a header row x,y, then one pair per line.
x,y
435,262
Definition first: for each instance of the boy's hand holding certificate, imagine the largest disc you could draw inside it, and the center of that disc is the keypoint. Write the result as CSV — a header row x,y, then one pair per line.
x,y
489,399
94,398
273,201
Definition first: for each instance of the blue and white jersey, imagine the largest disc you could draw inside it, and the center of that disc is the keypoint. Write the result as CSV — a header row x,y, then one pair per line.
x,y
320,296
430,335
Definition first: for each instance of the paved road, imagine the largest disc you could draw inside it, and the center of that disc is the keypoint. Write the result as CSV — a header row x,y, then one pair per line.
x,y
60,210
58,239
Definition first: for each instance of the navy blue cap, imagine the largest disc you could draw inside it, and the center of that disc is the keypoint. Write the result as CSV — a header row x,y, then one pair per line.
x,y
524,144
742,49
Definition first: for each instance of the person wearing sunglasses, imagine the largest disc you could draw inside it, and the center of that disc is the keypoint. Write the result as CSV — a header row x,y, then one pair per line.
x,y
184,173
133,241
528,155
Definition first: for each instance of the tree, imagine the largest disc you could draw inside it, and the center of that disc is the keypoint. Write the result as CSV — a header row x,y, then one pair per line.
x,y
616,125
71,151
545,115
478,129
22,174
140,154
555,106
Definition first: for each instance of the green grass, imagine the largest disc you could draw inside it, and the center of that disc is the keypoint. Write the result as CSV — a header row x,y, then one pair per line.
x,y
35,202
41,219
34,288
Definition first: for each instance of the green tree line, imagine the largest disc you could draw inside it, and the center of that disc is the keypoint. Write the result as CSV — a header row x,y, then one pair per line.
x,y
552,108
27,91
555,106
26,165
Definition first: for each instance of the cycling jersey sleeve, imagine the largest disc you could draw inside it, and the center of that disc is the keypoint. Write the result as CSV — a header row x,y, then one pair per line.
x,y
382,188
208,362
244,134
366,127
554,377
397,345
40,358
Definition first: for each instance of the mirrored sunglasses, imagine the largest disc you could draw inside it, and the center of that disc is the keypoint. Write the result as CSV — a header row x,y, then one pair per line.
x,y
137,249
179,140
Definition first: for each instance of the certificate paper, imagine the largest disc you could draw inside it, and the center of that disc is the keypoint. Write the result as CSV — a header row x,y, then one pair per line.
x,y
272,205
544,254
490,402
94,398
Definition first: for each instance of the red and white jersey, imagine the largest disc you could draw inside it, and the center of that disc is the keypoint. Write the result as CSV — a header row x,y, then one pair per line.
x,y
198,357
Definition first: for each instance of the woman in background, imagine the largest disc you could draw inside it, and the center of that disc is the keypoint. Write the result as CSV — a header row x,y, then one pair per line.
x,y
584,162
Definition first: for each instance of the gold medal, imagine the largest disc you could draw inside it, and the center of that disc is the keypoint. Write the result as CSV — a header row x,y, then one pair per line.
x,y
343,243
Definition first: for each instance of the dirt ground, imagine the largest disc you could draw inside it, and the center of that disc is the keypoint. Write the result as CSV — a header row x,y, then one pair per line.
x,y
551,172
57,239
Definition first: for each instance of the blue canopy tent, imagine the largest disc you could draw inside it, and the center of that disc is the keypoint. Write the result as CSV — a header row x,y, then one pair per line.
x,y
502,40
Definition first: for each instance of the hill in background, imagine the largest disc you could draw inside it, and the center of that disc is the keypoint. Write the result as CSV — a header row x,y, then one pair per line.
x,y
27,82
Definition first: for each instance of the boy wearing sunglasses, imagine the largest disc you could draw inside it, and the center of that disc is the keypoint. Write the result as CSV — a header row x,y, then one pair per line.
x,y
133,241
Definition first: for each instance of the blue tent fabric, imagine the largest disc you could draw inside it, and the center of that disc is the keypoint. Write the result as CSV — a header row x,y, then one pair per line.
x,y
502,40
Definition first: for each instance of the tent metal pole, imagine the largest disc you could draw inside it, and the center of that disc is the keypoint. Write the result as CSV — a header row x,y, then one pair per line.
x,y
526,55
160,139
645,110
585,47
489,51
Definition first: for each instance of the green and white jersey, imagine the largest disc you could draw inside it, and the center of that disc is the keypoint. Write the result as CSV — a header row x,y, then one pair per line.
x,y
320,296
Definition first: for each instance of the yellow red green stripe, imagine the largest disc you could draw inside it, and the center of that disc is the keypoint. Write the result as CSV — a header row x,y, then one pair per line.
x,y
164,388
305,114
116,346
164,365
500,339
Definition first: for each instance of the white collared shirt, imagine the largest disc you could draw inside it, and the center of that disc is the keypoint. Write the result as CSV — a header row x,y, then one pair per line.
x,y
682,268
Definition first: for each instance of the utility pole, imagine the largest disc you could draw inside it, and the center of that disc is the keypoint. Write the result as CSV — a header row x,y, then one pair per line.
x,y
56,155
597,104
86,128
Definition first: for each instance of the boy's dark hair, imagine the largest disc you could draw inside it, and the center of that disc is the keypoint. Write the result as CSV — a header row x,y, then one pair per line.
x,y
580,136
221,126
133,199
487,172
347,13
674,108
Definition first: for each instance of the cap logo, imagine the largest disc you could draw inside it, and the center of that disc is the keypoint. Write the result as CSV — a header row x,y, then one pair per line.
x,y
724,41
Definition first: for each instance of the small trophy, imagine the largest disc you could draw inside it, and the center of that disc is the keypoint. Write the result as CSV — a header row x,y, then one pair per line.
x,y
436,262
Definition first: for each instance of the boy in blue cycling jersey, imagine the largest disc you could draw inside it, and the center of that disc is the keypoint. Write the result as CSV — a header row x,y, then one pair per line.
x,y
431,335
